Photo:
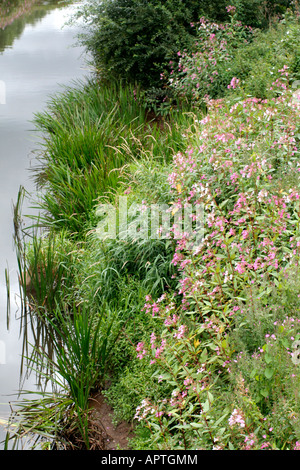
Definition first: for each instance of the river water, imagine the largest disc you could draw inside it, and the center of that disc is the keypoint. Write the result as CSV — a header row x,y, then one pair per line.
x,y
37,56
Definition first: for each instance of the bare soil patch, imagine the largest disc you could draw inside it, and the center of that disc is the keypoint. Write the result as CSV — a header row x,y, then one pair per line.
x,y
112,437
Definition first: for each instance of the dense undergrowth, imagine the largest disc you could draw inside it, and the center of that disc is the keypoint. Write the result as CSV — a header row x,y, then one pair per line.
x,y
198,335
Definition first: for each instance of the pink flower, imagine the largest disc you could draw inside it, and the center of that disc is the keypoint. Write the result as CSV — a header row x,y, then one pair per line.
x,y
236,418
141,350
181,330
231,8
234,83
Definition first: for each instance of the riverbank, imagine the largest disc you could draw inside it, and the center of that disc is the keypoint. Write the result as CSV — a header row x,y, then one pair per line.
x,y
194,326
12,10
31,68
68,269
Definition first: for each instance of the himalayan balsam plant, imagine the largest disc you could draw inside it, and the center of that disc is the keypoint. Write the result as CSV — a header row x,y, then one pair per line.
x,y
205,71
242,166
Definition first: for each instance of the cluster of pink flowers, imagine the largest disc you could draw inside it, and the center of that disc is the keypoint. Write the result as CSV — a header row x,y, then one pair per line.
x,y
282,83
231,9
141,350
151,307
237,419
234,83
250,441
233,167
146,408
198,73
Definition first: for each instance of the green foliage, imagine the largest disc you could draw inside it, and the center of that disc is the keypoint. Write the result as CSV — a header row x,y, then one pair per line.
x,y
264,338
82,344
134,39
130,387
233,58
88,133
137,39
261,13
259,64
45,264
206,337
205,70
80,129
227,339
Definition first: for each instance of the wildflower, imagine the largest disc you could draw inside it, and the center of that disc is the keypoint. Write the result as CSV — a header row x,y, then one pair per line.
x,y
234,83
140,349
181,331
231,9
169,321
160,349
236,418
265,444
152,340
250,441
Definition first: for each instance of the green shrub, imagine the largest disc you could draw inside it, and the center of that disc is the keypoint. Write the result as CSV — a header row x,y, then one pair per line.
x,y
260,13
205,70
259,65
134,39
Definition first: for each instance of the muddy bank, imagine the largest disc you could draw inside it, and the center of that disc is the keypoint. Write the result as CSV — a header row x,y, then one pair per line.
x,y
114,437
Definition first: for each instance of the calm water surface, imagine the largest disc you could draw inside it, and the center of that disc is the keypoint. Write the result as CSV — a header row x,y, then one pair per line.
x,y
37,57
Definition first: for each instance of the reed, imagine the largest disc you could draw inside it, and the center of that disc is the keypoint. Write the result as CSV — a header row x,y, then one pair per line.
x,y
84,133
82,344
44,265
73,287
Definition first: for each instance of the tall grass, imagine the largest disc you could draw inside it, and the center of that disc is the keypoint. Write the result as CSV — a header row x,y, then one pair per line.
x,y
46,275
44,264
85,133
80,130
72,287
82,345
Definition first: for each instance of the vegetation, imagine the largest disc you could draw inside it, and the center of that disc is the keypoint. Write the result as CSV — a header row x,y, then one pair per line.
x,y
197,330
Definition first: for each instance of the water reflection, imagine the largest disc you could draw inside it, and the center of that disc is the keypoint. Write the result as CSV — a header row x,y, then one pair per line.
x,y
36,58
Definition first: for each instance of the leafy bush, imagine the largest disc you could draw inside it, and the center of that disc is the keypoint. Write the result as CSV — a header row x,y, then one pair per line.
x,y
134,39
259,66
260,13
230,56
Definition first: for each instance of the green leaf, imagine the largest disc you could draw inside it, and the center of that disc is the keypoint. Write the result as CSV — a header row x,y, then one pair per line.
x,y
285,342
203,357
269,372
220,420
205,406
268,358
196,425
